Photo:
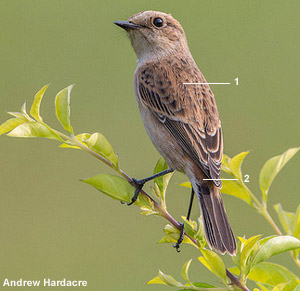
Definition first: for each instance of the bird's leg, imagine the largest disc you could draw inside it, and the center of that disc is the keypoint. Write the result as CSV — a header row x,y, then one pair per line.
x,y
140,183
191,205
181,234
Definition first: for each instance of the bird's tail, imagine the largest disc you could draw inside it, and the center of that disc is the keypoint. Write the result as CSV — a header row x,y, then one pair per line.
x,y
217,229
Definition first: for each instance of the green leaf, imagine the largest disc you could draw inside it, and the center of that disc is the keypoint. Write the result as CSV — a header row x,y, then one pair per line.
x,y
214,263
185,271
19,115
173,238
68,146
113,186
271,273
296,229
160,166
170,229
35,108
271,168
148,210
249,249
203,288
192,224
62,108
10,124
265,287
286,286
98,143
186,184
172,235
33,129
156,280
23,111
235,270
23,108
80,137
164,279
287,219
161,183
169,280
225,164
203,285
188,227
116,187
268,275
280,287
169,238
274,246
236,163
200,234
237,258
195,230
237,190
243,240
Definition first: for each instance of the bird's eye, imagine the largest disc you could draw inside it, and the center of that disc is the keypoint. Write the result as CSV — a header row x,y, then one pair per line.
x,y
158,22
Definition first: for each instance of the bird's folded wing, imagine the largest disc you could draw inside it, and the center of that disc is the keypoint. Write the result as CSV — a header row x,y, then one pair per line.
x,y
189,112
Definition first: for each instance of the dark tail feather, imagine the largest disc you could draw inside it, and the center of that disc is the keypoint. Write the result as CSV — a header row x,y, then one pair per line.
x,y
217,229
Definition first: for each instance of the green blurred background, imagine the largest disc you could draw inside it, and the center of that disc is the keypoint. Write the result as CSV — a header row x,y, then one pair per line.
x,y
52,225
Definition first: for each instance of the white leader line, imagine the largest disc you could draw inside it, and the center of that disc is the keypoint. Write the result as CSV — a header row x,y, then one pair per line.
x,y
219,179
206,83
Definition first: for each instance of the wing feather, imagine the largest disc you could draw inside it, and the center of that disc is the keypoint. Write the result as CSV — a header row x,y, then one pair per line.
x,y
189,112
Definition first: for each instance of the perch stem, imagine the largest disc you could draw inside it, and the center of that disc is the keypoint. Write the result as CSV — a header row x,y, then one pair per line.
x,y
234,281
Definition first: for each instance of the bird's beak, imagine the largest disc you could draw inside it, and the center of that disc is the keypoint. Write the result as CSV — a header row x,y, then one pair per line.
x,y
126,24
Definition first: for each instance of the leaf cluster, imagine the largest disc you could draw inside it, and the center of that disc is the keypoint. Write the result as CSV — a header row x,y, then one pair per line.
x,y
250,263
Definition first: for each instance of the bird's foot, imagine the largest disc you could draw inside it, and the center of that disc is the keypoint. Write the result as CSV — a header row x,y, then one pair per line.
x,y
139,186
180,239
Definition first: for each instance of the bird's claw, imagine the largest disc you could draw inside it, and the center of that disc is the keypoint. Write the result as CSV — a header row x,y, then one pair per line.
x,y
139,185
180,239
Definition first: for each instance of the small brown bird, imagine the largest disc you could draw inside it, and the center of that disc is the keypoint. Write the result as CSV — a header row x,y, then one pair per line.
x,y
181,120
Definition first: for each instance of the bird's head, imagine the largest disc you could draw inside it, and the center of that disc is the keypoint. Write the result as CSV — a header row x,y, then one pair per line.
x,y
154,34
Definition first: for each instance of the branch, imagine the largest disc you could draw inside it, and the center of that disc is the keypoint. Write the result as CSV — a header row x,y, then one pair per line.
x,y
157,206
234,281
262,209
